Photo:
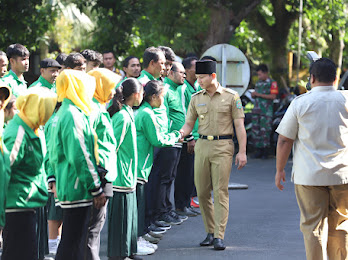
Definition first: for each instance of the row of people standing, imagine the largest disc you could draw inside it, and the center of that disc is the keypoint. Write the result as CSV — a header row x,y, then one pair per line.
x,y
81,175
51,69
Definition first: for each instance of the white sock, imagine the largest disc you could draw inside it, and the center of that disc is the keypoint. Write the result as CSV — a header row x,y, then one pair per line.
x,y
53,245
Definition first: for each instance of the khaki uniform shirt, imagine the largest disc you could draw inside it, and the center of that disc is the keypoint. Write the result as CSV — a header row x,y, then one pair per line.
x,y
318,122
215,114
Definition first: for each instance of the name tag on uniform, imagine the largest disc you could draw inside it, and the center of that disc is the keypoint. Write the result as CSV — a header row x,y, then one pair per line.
x,y
201,105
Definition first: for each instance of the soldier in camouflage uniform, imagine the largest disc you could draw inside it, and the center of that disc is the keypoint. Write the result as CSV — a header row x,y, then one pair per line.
x,y
266,91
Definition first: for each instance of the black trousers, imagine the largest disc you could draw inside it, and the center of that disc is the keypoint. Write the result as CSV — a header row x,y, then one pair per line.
x,y
42,232
141,204
184,181
19,236
96,224
164,169
74,234
151,191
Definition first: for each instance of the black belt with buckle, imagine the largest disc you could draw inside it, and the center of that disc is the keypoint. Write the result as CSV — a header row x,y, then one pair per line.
x,y
212,137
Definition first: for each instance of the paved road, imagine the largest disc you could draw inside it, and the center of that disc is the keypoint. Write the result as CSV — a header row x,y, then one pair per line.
x,y
263,223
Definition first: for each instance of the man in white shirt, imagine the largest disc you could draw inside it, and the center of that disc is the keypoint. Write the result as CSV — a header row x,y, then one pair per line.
x,y
316,126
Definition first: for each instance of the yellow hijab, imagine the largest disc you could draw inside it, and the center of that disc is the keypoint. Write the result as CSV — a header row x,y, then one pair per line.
x,y
36,106
77,86
2,114
106,81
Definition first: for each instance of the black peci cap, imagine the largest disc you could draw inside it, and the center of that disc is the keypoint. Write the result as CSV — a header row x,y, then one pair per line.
x,y
205,67
49,63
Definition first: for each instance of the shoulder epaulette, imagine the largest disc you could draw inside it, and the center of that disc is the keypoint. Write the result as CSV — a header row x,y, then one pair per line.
x,y
230,91
197,93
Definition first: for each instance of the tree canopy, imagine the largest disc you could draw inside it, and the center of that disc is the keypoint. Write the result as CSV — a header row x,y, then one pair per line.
x,y
266,30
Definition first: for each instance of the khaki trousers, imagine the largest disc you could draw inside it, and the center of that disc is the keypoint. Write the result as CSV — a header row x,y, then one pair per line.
x,y
324,215
213,162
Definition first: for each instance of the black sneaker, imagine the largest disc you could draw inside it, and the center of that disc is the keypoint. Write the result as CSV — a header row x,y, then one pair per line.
x,y
162,225
176,216
167,218
195,210
154,229
186,212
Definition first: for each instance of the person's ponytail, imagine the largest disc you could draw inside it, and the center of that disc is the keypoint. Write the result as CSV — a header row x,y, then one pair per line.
x,y
153,87
117,102
123,92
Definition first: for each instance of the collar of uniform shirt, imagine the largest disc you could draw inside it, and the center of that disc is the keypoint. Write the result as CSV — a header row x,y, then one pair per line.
x,y
218,90
323,88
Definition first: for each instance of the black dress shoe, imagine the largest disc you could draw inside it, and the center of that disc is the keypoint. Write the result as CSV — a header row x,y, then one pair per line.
x,y
208,241
219,244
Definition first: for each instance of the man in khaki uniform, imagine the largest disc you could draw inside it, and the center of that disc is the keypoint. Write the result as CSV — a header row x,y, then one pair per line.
x,y
216,108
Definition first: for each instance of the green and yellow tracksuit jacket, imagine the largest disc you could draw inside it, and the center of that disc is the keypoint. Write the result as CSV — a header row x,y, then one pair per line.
x,y
101,123
72,157
42,82
17,85
170,116
27,188
5,172
126,150
148,136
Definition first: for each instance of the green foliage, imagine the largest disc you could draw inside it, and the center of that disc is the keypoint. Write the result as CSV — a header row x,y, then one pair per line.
x,y
251,43
25,21
181,25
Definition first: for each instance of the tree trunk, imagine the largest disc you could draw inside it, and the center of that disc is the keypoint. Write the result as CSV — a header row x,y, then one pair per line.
x,y
276,37
224,21
336,47
220,30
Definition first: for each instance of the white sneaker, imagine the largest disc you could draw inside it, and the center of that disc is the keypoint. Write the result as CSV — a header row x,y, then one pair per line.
x,y
147,243
143,249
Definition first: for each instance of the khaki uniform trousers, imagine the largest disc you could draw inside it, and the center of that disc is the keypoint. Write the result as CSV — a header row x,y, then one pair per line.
x,y
324,215
213,162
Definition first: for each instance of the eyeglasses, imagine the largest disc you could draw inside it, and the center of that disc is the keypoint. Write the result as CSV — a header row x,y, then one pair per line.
x,y
181,72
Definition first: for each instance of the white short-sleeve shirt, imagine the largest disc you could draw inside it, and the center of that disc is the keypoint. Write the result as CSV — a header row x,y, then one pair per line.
x,y
318,122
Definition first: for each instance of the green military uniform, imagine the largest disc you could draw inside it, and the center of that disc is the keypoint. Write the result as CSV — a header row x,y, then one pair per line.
x,y
42,82
213,158
262,113
17,85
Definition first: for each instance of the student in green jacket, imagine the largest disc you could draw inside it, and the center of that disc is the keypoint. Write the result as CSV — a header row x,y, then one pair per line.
x,y
106,81
27,188
54,211
5,96
72,155
122,229
18,56
148,136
